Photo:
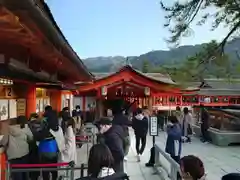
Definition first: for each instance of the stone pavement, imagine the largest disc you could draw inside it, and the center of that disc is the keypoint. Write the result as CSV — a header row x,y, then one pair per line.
x,y
136,170
217,160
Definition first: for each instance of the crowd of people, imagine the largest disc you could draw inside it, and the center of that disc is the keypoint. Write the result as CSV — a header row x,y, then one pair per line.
x,y
52,139
41,140
179,130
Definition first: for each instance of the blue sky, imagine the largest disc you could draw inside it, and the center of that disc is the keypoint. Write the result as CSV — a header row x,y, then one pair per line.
x,y
118,27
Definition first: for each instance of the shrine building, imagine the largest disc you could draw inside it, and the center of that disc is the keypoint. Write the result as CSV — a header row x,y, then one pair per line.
x,y
38,67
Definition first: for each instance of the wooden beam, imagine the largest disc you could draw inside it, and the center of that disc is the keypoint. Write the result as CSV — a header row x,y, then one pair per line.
x,y
20,29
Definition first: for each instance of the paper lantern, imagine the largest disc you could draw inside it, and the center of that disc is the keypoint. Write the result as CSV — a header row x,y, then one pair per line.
x,y
147,91
104,91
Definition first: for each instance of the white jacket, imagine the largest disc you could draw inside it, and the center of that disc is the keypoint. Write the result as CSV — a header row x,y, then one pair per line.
x,y
58,135
70,151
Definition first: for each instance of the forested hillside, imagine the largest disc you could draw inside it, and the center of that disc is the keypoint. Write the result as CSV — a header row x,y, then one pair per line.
x,y
158,58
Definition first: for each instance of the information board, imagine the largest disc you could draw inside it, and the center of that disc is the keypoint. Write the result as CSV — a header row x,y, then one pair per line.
x,y
153,128
21,107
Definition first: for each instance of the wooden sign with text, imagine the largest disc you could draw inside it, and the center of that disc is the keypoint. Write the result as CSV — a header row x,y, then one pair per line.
x,y
21,107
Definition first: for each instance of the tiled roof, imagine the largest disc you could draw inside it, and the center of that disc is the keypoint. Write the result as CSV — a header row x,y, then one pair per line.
x,y
156,76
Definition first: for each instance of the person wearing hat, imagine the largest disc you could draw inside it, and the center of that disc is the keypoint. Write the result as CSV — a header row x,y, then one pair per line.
x,y
140,126
113,136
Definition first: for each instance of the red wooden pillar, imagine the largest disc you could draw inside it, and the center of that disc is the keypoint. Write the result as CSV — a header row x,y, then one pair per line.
x,y
31,100
56,100
3,162
84,108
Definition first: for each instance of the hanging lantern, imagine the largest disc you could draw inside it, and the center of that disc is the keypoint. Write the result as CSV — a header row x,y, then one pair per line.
x,y
147,91
104,91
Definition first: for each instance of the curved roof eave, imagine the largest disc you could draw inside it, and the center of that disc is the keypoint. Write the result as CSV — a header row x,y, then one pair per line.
x,y
148,76
45,21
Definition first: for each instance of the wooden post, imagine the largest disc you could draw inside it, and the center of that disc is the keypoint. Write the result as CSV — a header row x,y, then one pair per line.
x,y
31,100
84,108
3,162
56,100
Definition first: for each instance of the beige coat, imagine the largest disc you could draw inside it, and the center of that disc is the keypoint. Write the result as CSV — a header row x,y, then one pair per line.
x,y
16,141
188,122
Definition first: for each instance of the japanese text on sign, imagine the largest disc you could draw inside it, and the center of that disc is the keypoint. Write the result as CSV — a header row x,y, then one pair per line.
x,y
153,126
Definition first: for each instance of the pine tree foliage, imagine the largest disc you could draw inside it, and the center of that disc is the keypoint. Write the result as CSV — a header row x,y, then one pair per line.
x,y
195,69
182,14
145,66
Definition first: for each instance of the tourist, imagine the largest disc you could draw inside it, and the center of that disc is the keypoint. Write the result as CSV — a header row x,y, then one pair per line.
x,y
77,115
160,119
34,125
146,112
231,176
100,161
16,145
140,126
178,114
70,152
192,168
186,124
174,143
47,109
122,120
51,143
113,137
65,114
204,123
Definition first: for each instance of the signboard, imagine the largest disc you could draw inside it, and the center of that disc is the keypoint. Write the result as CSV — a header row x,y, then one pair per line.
x,y
8,92
153,126
104,90
21,107
147,91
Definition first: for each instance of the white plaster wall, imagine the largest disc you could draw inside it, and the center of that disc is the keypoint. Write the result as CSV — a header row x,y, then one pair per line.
x,y
65,99
89,100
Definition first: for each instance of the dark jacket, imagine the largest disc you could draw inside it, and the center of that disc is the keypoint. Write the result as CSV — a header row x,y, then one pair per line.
x,y
114,139
76,113
51,122
115,176
205,118
140,126
122,120
174,143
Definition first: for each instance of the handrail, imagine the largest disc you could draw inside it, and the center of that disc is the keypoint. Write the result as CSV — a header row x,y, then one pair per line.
x,y
174,166
38,165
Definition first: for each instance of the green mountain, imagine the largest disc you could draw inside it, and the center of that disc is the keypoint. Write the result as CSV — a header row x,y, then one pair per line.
x,y
158,58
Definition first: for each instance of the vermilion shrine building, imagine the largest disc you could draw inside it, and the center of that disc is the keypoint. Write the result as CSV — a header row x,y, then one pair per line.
x,y
37,65
154,90
130,85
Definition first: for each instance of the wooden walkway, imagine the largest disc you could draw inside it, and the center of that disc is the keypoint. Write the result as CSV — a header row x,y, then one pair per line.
x,y
218,161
